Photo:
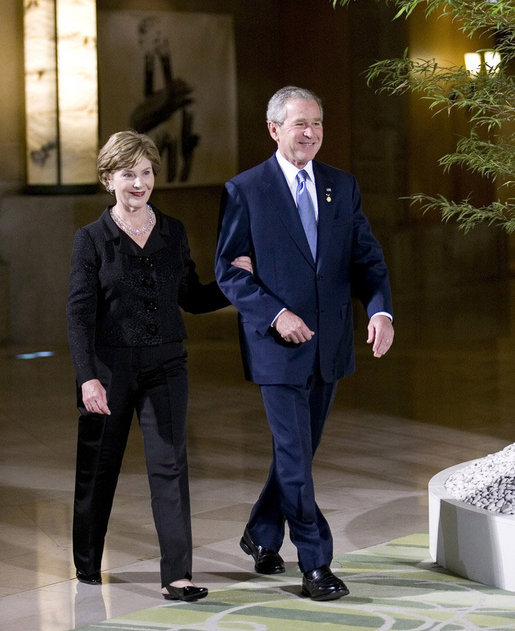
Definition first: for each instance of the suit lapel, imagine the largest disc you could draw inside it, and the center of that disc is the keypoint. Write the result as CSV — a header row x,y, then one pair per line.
x,y
283,206
326,211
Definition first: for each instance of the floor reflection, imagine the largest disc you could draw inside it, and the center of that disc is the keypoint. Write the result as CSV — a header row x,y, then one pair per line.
x,y
443,395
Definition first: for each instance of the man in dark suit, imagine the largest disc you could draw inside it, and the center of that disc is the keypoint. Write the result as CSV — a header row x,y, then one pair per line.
x,y
312,249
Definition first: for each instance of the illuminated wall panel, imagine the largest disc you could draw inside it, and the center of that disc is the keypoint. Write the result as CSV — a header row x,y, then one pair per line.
x,y
61,92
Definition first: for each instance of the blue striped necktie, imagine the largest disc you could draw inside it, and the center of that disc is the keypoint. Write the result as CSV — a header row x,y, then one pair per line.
x,y
307,212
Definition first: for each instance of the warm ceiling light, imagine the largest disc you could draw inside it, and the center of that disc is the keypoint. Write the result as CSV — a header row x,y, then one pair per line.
x,y
473,62
492,60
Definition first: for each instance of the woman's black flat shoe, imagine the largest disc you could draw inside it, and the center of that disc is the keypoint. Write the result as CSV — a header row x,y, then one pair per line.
x,y
187,593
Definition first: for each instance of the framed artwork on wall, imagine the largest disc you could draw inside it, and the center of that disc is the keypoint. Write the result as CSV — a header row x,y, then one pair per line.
x,y
172,75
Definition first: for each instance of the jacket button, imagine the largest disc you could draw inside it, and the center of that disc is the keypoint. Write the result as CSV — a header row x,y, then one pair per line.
x,y
148,282
146,261
150,305
152,329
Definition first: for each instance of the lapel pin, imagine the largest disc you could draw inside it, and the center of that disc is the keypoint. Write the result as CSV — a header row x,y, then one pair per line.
x,y
328,197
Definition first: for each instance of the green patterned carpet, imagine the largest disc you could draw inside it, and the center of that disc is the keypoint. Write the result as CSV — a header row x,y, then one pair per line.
x,y
392,586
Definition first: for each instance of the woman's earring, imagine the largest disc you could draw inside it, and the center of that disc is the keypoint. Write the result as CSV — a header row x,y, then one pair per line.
x,y
110,188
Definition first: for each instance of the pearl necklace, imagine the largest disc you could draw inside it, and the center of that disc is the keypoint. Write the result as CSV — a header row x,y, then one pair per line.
x,y
135,232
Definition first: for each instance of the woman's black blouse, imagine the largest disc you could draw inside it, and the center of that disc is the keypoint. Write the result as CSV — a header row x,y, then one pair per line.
x,y
124,295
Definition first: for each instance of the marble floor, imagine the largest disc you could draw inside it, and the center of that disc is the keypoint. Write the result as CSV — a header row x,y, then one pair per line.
x,y
443,395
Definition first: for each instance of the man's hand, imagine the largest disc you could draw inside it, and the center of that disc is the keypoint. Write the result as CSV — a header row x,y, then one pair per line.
x,y
94,397
292,328
380,334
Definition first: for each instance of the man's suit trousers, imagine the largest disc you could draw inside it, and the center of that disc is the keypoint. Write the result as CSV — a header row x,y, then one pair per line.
x,y
296,416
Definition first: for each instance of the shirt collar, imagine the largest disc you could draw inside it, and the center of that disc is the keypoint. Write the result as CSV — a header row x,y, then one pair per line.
x,y
290,170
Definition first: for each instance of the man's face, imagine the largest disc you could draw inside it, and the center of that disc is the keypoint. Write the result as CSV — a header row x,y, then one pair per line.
x,y
300,136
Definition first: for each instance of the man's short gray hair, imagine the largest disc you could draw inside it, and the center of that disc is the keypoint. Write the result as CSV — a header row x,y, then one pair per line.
x,y
276,110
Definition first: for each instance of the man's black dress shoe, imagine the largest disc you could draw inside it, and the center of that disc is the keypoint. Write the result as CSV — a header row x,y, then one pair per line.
x,y
266,561
91,579
322,584
188,593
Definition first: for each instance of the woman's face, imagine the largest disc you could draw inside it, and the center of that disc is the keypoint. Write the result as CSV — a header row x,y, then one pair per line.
x,y
133,186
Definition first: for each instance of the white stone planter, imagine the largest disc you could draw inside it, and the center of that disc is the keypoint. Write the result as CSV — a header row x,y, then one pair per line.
x,y
468,541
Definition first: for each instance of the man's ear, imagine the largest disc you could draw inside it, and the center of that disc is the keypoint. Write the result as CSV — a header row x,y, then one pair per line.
x,y
272,128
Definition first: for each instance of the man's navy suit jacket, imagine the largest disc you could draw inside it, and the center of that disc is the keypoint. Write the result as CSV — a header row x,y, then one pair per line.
x,y
259,218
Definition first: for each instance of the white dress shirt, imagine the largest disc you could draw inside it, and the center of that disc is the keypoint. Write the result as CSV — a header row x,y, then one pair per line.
x,y
290,172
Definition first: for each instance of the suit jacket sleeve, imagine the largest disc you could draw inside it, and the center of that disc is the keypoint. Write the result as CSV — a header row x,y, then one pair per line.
x,y
195,297
369,276
81,306
252,301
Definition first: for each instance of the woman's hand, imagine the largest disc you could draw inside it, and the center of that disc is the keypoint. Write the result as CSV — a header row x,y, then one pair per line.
x,y
243,262
94,397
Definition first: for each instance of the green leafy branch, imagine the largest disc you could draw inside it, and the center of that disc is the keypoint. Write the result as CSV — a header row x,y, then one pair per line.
x,y
487,97
466,214
492,160
473,16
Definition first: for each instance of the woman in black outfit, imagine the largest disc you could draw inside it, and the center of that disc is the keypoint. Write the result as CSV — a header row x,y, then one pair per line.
x,y
131,271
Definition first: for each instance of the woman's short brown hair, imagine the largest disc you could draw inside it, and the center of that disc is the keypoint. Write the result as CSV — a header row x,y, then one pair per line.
x,y
124,150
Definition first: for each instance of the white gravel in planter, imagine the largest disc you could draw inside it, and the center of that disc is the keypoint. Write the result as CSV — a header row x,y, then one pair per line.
x,y
487,483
